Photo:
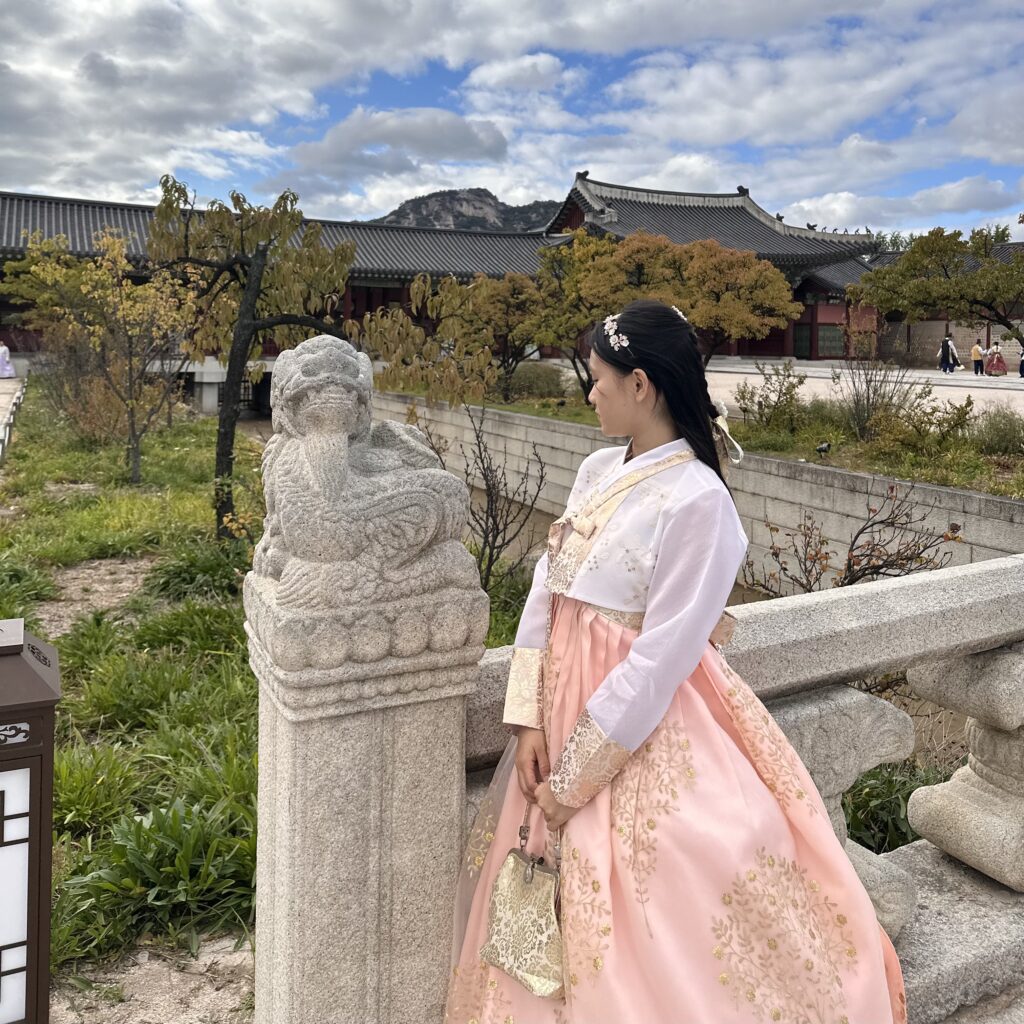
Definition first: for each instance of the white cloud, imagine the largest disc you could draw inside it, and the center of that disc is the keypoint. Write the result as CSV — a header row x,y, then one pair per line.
x,y
100,97
534,72
974,195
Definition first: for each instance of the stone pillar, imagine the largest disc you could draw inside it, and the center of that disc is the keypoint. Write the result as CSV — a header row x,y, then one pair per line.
x,y
366,623
206,397
840,733
978,816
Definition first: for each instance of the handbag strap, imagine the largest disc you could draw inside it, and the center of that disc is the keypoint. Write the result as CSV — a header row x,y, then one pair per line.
x,y
524,835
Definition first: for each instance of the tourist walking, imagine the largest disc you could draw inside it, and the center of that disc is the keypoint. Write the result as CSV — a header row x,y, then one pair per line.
x,y
947,355
995,365
978,356
6,366
701,879
1021,367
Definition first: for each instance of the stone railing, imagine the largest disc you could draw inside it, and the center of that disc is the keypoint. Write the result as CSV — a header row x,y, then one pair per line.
x,y
959,932
12,394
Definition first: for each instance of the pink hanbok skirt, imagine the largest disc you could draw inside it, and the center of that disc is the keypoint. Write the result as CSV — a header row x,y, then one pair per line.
x,y
705,885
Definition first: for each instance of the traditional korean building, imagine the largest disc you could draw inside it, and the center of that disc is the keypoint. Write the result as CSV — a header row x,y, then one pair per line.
x,y
814,261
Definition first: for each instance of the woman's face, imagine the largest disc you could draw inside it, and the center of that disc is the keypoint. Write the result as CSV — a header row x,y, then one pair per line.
x,y
622,401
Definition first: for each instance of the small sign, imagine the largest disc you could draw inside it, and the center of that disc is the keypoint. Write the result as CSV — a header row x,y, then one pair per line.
x,y
12,636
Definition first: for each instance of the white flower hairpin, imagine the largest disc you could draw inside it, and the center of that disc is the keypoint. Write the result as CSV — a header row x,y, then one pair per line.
x,y
616,338
680,314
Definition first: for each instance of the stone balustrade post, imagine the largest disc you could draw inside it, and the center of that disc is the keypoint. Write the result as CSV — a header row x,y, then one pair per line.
x,y
366,623
978,815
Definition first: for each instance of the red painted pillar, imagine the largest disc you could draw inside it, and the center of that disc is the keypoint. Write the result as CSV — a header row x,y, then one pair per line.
x,y
814,331
787,340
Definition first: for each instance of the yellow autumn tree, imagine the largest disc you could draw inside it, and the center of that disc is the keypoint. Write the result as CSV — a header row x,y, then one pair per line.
x,y
438,345
115,339
259,274
727,294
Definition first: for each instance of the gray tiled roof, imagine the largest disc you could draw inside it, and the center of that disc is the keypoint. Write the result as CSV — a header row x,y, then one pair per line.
x,y
734,220
382,251
836,276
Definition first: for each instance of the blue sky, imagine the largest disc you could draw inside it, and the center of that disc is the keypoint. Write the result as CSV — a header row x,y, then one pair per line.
x,y
846,113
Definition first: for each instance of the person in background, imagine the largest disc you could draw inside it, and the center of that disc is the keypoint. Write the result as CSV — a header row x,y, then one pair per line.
x,y
946,354
6,366
996,364
978,355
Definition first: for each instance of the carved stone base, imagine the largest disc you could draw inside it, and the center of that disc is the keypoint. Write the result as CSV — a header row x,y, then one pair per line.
x,y
359,847
975,821
978,816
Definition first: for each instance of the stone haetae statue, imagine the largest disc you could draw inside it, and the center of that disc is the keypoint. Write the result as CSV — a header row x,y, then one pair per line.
x,y
366,624
361,566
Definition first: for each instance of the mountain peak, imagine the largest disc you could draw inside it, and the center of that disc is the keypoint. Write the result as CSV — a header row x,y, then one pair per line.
x,y
474,209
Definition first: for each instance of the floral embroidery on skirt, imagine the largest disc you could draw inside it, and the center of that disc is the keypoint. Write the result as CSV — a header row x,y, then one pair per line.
x,y
704,885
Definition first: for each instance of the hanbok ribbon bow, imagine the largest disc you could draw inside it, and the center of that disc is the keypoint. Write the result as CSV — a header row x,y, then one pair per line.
x,y
583,525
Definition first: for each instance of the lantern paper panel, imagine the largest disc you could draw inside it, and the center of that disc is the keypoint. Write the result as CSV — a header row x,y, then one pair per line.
x,y
14,868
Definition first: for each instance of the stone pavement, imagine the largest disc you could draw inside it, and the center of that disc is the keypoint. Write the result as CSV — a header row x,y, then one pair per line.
x,y
8,390
725,373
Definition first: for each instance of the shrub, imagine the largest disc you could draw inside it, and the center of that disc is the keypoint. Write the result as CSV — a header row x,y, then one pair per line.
x,y
535,379
875,806
867,389
998,430
200,569
774,403
177,869
508,595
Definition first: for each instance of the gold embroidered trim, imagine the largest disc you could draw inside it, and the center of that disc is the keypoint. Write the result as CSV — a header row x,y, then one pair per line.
x,y
481,835
771,752
588,762
525,682
567,553
631,620
783,945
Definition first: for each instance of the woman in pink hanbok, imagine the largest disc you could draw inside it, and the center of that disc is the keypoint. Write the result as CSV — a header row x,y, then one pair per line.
x,y
701,880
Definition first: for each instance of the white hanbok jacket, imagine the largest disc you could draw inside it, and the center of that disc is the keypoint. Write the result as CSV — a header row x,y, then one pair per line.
x,y
658,538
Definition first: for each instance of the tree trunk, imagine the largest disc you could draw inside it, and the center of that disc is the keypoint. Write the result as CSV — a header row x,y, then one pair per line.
x,y
135,460
133,457
227,420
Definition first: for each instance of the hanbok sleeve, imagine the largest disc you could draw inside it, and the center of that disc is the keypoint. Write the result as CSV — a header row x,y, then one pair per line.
x,y
523,695
525,683
698,553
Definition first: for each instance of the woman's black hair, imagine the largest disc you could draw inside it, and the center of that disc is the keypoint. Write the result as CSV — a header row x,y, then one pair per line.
x,y
664,346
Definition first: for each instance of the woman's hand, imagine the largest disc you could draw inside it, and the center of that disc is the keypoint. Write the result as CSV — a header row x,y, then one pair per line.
x,y
532,764
555,814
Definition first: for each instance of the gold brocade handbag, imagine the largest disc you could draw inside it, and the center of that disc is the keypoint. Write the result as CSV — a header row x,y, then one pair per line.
x,y
523,935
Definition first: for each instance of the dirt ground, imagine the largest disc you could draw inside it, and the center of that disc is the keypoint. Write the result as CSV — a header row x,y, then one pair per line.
x,y
162,987
96,585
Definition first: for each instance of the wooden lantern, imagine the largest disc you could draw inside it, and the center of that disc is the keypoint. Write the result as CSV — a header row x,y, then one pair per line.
x,y
29,689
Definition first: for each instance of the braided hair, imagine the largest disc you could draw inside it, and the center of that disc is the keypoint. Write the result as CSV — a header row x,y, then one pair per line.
x,y
656,338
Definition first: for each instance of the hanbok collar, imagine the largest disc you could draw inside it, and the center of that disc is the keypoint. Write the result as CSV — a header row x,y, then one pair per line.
x,y
648,458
